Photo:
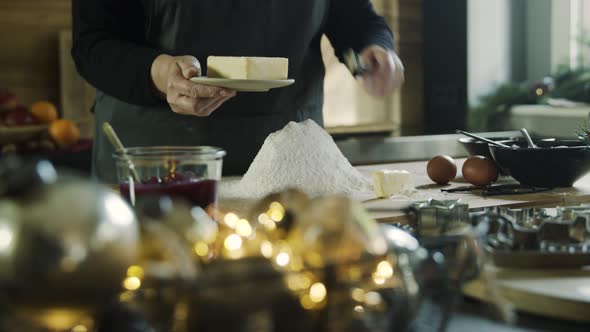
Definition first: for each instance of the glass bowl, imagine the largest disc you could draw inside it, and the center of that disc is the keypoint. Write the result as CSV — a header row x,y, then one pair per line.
x,y
190,173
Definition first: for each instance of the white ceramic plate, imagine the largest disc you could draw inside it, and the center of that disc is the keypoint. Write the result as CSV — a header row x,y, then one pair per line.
x,y
243,85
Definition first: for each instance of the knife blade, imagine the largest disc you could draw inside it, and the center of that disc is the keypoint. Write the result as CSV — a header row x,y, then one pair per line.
x,y
355,63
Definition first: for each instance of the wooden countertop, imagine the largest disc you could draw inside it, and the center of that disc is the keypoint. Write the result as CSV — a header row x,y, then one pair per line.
x,y
390,210
556,293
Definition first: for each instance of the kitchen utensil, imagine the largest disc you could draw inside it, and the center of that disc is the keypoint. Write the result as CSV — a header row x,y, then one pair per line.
x,y
355,63
190,173
243,85
498,190
482,139
526,135
538,237
475,147
435,217
553,164
444,229
119,148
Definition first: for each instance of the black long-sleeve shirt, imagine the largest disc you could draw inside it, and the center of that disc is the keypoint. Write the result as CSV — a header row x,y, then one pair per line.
x,y
111,50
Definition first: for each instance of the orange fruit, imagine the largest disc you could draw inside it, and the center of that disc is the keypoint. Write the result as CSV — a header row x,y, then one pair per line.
x,y
64,132
44,111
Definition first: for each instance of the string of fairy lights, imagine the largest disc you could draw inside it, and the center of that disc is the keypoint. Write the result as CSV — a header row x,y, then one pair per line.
x,y
303,271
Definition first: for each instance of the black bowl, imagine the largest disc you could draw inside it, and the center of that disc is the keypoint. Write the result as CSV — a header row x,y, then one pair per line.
x,y
479,148
556,163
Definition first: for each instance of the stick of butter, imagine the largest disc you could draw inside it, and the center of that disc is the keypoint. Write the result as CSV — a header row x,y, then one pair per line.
x,y
247,68
387,183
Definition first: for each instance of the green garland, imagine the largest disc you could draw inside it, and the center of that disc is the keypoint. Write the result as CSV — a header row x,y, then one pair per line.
x,y
492,112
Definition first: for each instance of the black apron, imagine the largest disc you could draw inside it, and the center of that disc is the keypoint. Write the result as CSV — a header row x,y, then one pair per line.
x,y
225,28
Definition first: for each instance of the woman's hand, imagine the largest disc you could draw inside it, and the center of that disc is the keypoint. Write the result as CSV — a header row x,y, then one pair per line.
x,y
386,71
171,77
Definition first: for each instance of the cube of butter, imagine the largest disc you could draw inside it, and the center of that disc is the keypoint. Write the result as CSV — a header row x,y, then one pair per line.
x,y
247,68
387,183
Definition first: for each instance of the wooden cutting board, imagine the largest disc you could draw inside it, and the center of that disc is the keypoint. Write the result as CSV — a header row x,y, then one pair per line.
x,y
390,210
561,294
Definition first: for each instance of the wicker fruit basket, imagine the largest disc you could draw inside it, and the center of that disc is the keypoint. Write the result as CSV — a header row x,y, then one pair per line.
x,y
21,134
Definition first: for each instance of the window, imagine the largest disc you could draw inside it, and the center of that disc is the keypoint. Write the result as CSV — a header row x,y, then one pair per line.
x,y
580,30
570,31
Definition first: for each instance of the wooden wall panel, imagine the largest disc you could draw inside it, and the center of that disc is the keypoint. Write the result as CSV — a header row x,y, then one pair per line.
x,y
410,44
405,19
29,63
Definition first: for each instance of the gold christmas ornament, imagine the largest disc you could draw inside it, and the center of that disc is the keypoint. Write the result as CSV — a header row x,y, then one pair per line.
x,y
65,250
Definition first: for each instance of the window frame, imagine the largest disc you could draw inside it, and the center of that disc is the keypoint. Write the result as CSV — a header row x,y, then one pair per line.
x,y
560,40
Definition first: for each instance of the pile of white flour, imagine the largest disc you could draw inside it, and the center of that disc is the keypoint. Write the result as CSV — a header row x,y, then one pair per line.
x,y
301,156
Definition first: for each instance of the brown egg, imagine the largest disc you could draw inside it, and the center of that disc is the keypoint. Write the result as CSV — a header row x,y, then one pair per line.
x,y
480,171
441,169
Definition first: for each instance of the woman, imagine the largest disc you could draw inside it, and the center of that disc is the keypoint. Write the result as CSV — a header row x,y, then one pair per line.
x,y
140,55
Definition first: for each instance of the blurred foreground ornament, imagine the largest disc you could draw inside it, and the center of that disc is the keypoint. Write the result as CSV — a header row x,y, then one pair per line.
x,y
455,257
335,230
445,227
290,264
65,246
296,264
276,213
